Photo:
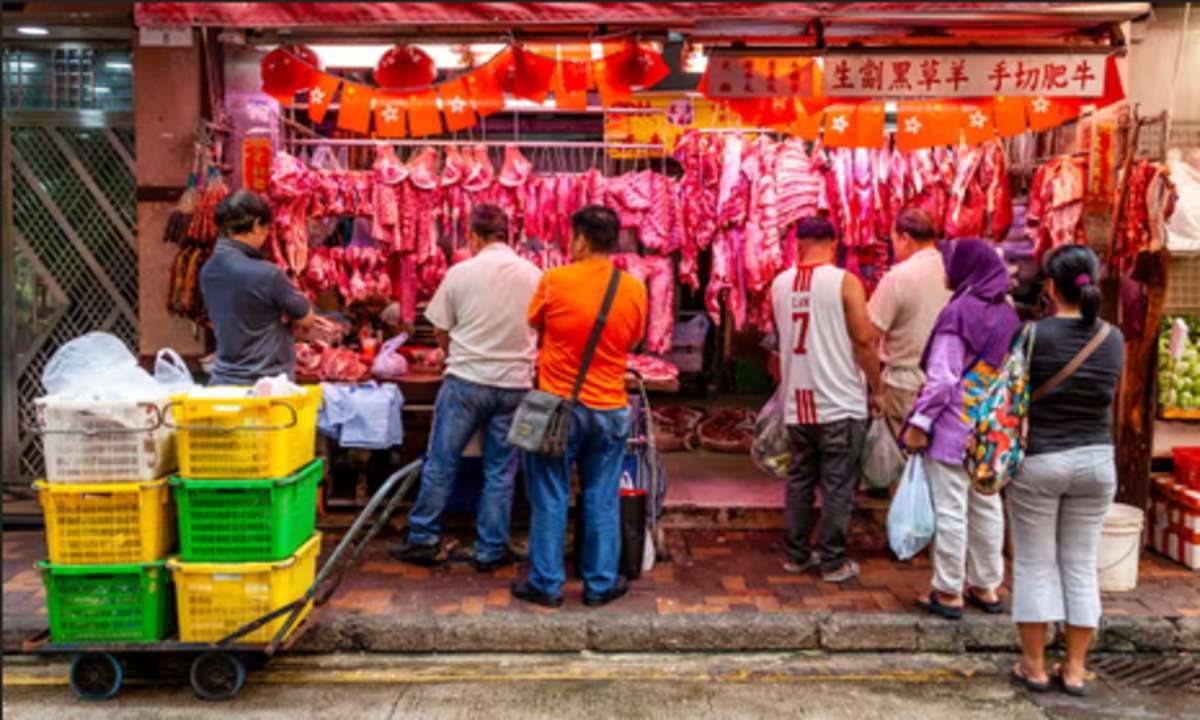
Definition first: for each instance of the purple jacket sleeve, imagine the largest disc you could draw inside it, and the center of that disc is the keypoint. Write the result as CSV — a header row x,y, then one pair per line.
x,y
942,382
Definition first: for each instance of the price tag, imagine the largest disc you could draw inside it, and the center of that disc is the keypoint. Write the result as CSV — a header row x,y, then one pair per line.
x,y
166,36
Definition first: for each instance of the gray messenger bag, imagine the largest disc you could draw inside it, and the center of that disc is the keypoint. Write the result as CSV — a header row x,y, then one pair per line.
x,y
542,423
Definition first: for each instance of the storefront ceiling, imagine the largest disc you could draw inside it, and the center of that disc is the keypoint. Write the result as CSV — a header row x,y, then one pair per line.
x,y
749,20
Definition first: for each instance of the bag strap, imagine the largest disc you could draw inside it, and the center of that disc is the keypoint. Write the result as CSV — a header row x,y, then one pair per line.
x,y
1069,369
590,350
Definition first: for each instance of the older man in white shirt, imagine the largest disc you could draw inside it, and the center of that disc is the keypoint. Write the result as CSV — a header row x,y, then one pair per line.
x,y
479,317
904,309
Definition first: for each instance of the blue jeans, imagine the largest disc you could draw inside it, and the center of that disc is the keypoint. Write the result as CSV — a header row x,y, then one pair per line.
x,y
597,444
462,408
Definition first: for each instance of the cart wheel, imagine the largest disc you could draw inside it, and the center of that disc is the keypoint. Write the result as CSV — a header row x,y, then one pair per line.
x,y
218,676
96,676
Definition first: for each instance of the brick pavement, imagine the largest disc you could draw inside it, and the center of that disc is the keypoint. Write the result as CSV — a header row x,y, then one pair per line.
x,y
711,573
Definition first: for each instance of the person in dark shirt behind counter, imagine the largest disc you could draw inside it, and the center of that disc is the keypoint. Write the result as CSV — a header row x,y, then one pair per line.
x,y
250,300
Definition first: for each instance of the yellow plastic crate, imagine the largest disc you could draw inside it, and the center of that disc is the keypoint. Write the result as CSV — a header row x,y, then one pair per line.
x,y
107,523
215,599
245,438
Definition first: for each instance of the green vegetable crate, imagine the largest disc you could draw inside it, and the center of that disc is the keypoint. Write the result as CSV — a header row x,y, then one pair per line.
x,y
108,603
246,520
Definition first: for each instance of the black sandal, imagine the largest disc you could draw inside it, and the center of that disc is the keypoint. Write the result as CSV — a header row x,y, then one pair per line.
x,y
931,604
1079,691
1029,684
995,608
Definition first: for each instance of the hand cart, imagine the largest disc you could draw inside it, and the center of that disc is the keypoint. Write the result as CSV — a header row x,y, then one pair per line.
x,y
649,476
218,670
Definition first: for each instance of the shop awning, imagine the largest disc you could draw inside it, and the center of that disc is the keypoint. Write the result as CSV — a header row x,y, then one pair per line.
x,y
1035,17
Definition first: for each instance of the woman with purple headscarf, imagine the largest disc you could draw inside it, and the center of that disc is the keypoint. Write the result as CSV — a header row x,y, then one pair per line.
x,y
968,345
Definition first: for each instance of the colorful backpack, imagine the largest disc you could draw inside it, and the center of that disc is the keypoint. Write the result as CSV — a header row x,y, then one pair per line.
x,y
996,409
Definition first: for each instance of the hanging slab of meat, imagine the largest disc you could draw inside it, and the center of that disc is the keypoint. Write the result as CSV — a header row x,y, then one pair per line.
x,y
965,216
800,183
675,427
725,279
652,369
402,269
994,177
763,255
1056,204
729,430
862,200
481,174
516,169
929,187
388,176
657,273
700,157
655,232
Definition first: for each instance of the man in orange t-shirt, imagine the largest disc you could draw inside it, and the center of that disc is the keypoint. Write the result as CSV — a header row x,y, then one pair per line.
x,y
564,310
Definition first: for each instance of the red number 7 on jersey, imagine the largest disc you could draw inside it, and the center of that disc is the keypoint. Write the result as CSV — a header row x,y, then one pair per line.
x,y
800,320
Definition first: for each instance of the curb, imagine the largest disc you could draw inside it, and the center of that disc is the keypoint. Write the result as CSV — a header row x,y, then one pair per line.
x,y
579,631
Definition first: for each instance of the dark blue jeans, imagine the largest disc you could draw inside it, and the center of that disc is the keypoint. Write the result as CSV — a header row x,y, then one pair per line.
x,y
597,444
462,408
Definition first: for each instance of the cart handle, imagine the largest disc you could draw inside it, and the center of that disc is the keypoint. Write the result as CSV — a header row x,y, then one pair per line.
x,y
236,428
159,422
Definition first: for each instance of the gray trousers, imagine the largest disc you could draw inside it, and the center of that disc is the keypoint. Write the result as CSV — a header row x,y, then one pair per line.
x,y
827,455
1056,506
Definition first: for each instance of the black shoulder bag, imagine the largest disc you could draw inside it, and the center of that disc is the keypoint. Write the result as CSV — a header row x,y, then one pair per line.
x,y
542,423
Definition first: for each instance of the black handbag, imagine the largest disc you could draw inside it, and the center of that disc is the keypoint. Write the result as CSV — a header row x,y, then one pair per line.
x,y
542,422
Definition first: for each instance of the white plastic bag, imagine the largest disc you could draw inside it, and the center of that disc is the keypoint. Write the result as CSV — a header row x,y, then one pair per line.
x,y
881,463
98,367
389,363
772,448
171,372
910,521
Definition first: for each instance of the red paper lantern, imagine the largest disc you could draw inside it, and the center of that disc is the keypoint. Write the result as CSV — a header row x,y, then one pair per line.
x,y
284,73
306,54
405,66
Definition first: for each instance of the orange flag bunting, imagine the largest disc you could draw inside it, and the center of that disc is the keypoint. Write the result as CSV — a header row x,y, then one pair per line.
x,y
389,116
1010,115
423,116
1045,113
839,126
611,91
925,124
977,123
320,95
484,87
355,111
870,119
571,79
806,125
456,105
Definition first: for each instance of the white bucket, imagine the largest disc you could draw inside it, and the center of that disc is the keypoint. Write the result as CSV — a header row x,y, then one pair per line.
x,y
1120,548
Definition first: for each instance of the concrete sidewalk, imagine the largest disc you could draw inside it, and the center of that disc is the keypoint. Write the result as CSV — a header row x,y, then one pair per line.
x,y
721,591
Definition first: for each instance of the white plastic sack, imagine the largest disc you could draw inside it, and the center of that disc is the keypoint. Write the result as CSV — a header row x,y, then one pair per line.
x,y
171,372
772,448
389,363
881,463
910,521
98,367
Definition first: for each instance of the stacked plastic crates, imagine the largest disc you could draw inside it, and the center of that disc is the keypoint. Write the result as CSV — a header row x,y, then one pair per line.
x,y
109,522
246,499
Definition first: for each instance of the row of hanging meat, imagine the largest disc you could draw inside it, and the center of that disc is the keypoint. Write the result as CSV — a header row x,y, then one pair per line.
x,y
735,196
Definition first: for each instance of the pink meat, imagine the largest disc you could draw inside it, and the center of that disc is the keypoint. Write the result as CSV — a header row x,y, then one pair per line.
x,y
994,176
657,273
763,256
482,174
516,169
965,215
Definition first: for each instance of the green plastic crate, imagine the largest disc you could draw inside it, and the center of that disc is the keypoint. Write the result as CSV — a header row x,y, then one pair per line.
x,y
108,603
246,520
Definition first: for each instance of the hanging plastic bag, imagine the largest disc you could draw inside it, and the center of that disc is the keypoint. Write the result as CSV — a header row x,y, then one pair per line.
x,y
390,363
171,372
772,448
910,521
881,463
98,366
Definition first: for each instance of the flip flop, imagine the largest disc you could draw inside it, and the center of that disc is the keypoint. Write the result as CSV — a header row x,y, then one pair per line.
x,y
995,608
1030,685
931,604
1079,691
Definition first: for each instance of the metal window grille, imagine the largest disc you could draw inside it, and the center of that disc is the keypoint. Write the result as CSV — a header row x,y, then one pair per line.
x,y
68,78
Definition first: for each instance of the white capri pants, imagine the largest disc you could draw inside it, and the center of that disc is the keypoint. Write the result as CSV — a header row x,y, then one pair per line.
x,y
968,544
1056,506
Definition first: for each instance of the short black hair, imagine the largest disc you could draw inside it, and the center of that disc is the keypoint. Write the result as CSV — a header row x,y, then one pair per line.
x,y
599,225
815,229
917,224
489,222
1075,272
239,211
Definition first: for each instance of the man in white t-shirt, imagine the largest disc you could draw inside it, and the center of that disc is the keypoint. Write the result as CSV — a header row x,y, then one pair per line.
x,y
904,309
825,350
479,318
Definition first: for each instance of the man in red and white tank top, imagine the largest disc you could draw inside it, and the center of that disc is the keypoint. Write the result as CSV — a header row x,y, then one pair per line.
x,y
825,350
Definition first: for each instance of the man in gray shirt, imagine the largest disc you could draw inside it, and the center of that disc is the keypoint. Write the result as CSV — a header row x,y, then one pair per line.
x,y
249,299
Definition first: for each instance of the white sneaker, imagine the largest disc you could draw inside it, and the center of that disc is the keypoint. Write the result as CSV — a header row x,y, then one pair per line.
x,y
848,571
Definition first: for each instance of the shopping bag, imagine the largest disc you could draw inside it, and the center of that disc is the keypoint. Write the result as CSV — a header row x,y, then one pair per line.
x,y
910,521
771,451
881,463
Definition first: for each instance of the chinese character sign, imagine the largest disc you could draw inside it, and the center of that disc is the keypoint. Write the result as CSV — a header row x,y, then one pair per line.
x,y
966,75
768,76
256,163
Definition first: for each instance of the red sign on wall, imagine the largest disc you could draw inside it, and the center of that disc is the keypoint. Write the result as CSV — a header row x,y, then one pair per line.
x,y
256,163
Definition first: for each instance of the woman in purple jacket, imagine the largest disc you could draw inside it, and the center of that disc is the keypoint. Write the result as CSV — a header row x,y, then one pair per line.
x,y
968,345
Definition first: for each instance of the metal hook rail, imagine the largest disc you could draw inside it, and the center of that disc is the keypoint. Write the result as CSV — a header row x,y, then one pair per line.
x,y
373,142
